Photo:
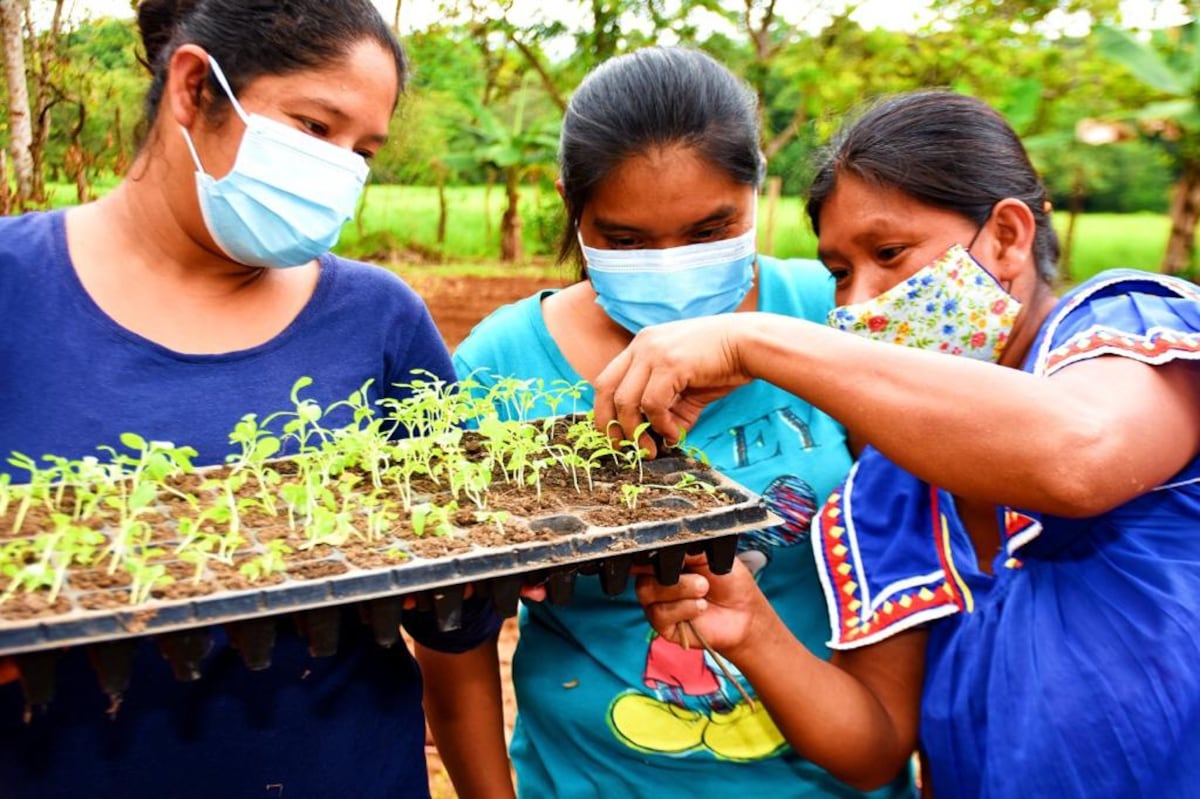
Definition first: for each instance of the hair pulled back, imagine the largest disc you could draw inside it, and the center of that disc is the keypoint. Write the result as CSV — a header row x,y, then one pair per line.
x,y
654,97
946,150
251,38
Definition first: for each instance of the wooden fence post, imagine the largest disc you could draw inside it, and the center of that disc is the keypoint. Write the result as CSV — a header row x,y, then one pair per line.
x,y
774,188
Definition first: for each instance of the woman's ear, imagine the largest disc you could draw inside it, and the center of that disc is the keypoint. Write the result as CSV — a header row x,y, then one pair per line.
x,y
1013,231
187,75
558,186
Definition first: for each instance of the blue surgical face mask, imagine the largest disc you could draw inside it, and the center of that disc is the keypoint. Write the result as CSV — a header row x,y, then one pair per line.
x,y
287,196
639,288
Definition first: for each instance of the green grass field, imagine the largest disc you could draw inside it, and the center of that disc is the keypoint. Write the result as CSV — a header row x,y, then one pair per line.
x,y
407,216
399,223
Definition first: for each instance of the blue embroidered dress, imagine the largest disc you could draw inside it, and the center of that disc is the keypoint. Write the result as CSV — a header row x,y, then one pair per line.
x,y
1073,670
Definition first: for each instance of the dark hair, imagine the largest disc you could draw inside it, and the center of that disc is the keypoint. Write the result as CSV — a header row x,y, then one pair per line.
x,y
651,98
251,38
946,150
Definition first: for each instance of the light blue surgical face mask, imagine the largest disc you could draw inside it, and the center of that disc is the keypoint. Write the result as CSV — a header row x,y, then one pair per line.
x,y
287,196
639,288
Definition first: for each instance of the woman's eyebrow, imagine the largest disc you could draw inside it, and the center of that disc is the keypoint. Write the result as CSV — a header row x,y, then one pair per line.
x,y
719,215
610,226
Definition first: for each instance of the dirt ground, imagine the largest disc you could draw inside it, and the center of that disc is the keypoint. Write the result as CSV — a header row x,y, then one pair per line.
x,y
457,305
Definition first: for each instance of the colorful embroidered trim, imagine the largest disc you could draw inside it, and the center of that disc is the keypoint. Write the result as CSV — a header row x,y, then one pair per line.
x,y
851,624
1177,287
1019,530
1158,345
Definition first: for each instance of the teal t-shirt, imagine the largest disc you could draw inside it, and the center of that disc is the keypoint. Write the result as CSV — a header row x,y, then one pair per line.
x,y
606,707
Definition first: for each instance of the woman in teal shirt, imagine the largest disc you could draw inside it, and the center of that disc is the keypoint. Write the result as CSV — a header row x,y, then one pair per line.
x,y
659,170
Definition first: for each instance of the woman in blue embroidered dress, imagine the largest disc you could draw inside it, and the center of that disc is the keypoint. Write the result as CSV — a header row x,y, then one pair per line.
x,y
1013,566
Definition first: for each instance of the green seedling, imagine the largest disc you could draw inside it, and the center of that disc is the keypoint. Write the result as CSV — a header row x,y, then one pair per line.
x,y
359,480
145,578
272,561
630,493
434,518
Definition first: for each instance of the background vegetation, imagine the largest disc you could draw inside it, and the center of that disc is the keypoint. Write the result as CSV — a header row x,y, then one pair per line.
x,y
1108,112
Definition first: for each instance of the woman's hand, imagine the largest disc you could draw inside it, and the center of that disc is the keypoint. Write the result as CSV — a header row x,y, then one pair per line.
x,y
668,373
724,609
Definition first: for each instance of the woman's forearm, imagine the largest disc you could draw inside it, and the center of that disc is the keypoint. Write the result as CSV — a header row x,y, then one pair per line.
x,y
978,430
858,720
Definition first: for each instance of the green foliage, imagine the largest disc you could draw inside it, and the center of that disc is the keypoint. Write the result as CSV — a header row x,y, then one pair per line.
x,y
485,90
356,482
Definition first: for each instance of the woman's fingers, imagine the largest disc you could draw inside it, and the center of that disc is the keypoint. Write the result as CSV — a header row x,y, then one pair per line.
x,y
689,586
669,606
666,376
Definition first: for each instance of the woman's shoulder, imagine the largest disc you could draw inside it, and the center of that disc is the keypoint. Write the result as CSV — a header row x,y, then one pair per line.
x,y
512,327
1150,317
367,285
29,235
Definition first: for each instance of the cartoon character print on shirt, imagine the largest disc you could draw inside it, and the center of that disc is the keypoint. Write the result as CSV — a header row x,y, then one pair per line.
x,y
688,705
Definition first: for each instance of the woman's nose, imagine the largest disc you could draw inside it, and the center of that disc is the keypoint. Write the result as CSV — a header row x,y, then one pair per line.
x,y
855,290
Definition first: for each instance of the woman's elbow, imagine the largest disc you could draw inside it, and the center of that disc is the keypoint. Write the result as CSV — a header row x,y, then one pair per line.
x,y
1090,474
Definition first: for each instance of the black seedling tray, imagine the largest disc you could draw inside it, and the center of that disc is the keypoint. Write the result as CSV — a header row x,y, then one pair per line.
x,y
439,584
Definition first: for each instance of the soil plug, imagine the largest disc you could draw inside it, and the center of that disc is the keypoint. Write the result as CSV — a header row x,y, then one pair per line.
x,y
185,650
384,617
614,574
668,564
721,552
505,593
320,627
37,679
254,640
560,586
113,664
448,606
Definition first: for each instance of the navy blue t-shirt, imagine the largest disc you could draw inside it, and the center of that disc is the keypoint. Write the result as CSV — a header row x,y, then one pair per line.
x,y
71,379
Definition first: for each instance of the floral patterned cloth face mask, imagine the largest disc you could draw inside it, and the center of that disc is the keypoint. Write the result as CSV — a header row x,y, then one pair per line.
x,y
953,305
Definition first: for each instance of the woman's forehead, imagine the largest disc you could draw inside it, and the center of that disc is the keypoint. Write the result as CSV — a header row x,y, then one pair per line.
x,y
677,182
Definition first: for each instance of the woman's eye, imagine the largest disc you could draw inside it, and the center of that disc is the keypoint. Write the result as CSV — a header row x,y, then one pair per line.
x,y
366,155
621,243
314,127
838,273
889,253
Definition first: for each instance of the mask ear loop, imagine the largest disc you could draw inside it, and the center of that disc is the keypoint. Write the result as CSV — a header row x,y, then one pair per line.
x,y
982,225
220,76
1007,289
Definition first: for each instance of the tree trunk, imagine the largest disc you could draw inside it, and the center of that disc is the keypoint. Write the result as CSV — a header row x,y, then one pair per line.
x,y
1185,208
510,223
487,205
19,118
774,189
1074,209
6,200
443,210
360,212
43,48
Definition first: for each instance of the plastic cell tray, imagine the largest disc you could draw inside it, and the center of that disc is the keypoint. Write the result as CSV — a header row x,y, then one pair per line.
x,y
576,548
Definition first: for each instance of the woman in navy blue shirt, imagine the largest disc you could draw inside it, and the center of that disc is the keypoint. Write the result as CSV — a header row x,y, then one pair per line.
x,y
198,291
